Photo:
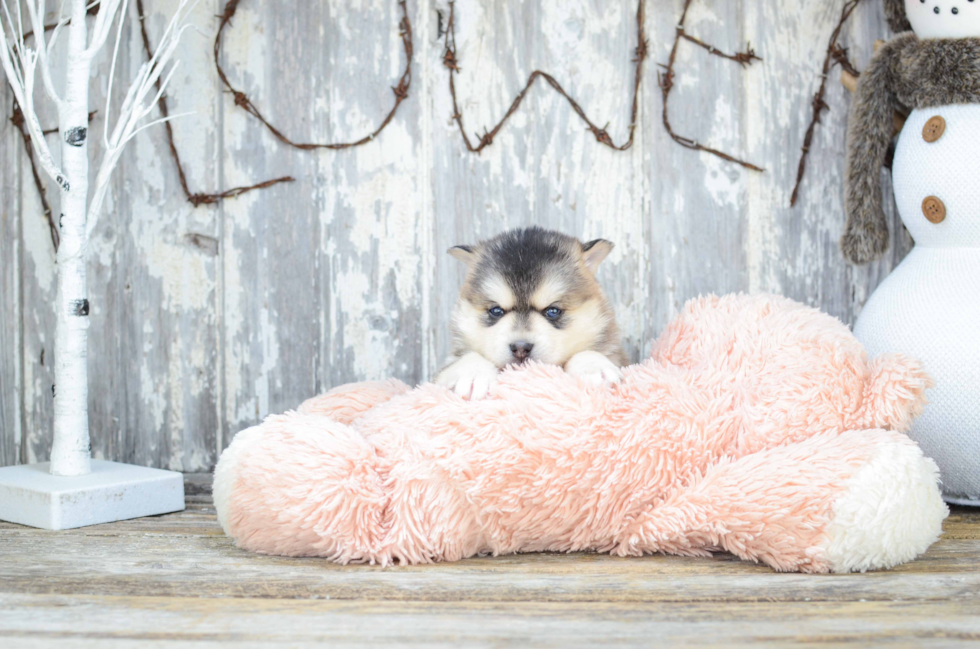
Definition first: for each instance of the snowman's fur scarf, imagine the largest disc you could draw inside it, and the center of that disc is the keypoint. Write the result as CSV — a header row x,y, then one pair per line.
x,y
906,73
895,14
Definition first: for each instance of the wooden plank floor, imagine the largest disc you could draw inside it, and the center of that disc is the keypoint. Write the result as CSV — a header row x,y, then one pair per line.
x,y
177,580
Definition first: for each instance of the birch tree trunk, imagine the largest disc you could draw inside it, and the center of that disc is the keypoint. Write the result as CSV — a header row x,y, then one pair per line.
x,y
70,453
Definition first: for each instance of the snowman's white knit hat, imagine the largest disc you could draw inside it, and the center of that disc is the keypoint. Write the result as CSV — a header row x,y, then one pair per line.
x,y
895,14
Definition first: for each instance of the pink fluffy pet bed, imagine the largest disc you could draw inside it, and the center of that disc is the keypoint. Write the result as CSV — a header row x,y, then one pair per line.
x,y
758,426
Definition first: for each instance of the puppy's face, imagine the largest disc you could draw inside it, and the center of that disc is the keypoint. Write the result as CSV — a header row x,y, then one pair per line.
x,y
531,295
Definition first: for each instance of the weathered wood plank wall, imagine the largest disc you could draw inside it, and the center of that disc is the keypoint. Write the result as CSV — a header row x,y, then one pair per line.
x,y
10,259
205,320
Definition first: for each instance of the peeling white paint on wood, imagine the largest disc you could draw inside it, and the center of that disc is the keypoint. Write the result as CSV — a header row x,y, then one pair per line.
x,y
205,320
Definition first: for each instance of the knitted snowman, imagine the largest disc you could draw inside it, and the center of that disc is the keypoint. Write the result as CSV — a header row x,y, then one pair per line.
x,y
929,307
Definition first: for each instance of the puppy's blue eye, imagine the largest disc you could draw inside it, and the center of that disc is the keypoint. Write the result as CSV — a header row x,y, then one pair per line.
x,y
553,313
496,312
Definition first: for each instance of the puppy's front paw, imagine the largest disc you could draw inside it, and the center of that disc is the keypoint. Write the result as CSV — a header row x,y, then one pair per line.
x,y
593,368
471,377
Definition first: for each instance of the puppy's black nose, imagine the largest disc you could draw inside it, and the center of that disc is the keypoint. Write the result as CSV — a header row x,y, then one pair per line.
x,y
521,350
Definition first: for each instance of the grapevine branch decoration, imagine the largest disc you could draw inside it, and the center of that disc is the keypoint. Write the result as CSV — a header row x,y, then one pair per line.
x,y
200,198
197,199
451,61
666,79
242,100
840,55
835,54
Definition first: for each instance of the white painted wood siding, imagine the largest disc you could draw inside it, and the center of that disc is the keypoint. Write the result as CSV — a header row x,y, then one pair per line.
x,y
206,320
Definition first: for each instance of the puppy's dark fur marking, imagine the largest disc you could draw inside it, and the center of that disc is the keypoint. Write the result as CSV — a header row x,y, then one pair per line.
x,y
523,257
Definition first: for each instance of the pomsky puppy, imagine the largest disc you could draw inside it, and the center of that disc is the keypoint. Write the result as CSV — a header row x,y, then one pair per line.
x,y
531,295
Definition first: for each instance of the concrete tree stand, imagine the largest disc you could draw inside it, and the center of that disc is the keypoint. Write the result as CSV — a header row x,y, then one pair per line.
x,y
31,495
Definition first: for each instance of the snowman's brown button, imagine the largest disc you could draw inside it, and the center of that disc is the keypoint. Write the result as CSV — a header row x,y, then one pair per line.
x,y
934,209
934,129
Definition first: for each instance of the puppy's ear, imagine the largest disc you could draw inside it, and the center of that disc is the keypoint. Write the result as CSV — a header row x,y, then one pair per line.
x,y
466,254
594,252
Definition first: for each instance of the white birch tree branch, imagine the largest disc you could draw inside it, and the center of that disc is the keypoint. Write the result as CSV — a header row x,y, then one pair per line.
x,y
103,24
20,63
136,106
36,13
